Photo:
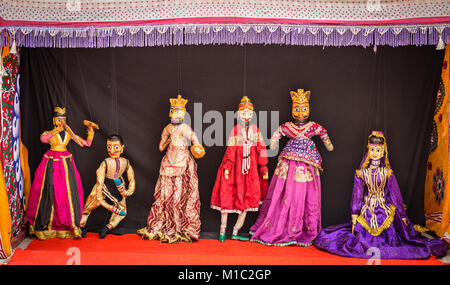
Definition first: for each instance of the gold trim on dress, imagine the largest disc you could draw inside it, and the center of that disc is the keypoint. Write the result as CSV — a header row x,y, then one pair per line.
x,y
58,148
282,169
47,234
69,194
165,238
302,174
378,230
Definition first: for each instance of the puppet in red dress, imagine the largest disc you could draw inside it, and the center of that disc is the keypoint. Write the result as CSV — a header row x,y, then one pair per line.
x,y
241,181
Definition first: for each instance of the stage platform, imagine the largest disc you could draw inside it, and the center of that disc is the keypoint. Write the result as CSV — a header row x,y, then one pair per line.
x,y
131,249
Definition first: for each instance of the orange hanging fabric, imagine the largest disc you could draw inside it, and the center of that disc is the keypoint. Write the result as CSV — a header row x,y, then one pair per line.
x,y
437,195
5,220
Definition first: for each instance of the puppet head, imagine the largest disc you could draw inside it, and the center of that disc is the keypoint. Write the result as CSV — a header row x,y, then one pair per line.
x,y
376,150
177,109
375,147
300,104
245,111
114,146
59,116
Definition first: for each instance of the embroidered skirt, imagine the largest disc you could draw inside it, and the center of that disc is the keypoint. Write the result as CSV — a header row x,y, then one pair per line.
x,y
175,213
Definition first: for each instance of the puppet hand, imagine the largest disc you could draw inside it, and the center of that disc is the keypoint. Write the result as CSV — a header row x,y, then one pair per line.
x,y
266,175
329,145
198,151
57,130
354,217
404,220
225,173
118,211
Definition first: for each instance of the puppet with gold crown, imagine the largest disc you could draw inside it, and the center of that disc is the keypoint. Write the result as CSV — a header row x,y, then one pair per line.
x,y
175,213
290,213
241,182
56,196
378,217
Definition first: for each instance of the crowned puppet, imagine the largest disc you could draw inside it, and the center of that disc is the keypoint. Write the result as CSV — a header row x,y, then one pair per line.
x,y
290,213
378,215
56,195
110,190
241,181
175,213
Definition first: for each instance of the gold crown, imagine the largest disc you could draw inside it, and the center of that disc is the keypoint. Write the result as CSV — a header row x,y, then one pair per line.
x,y
245,103
178,102
59,110
301,96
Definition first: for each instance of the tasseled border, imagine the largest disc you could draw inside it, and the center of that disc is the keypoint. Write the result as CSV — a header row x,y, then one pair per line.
x,y
229,34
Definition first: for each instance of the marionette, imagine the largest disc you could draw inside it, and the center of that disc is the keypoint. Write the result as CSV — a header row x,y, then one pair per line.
x,y
241,181
109,177
290,213
56,196
378,217
175,213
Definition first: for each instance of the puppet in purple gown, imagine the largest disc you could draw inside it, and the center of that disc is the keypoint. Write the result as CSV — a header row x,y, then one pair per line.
x,y
290,212
378,215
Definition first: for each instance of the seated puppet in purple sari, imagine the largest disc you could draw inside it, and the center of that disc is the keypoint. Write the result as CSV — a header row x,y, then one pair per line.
x,y
56,196
378,215
290,213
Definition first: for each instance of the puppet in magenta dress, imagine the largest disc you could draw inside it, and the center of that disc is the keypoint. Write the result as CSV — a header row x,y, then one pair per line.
x,y
241,181
290,213
56,196
378,215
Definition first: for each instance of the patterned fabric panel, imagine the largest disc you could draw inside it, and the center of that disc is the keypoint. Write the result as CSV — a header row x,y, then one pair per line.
x,y
10,142
437,201
141,10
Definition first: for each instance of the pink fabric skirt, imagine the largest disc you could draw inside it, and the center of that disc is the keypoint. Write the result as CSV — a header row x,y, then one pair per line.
x,y
56,197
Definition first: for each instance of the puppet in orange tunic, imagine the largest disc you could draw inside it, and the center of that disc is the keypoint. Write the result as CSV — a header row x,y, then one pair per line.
x,y
241,181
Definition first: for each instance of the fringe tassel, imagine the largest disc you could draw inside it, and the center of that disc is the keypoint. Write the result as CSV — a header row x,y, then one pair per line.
x,y
142,36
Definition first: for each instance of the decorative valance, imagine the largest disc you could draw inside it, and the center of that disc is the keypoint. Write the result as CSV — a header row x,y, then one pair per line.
x,y
109,23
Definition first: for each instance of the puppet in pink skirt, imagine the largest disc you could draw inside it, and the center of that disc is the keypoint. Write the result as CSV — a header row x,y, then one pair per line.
x,y
56,196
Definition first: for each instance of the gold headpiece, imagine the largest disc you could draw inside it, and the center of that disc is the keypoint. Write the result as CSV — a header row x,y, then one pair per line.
x,y
58,111
301,96
178,102
245,103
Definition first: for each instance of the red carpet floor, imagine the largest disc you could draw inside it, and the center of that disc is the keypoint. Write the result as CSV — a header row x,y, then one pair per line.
x,y
131,249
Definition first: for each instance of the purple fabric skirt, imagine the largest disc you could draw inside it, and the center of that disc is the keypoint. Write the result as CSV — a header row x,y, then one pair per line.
x,y
290,213
399,241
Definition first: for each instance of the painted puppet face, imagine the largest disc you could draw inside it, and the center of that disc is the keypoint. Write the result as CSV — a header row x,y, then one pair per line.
x,y
245,115
177,114
59,121
376,151
300,111
114,148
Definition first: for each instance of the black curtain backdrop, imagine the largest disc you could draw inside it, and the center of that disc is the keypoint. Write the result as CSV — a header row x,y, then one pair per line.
x,y
354,91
